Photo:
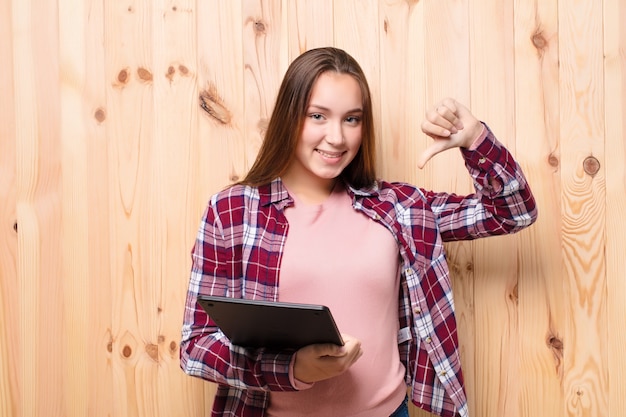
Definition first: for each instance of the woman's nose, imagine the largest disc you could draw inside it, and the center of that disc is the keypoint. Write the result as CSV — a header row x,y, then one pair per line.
x,y
334,135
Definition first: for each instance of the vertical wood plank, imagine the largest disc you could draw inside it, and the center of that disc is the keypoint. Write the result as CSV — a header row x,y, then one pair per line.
x,y
402,96
74,244
221,136
495,259
583,206
615,138
99,308
130,132
265,48
28,270
38,205
543,316
10,336
171,229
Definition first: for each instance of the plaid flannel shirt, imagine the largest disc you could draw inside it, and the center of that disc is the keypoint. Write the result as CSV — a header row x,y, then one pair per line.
x,y
238,252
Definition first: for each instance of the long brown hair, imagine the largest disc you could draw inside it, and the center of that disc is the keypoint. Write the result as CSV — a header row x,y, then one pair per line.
x,y
286,122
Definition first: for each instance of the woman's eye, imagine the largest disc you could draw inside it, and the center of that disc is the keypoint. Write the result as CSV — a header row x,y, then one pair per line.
x,y
316,116
353,120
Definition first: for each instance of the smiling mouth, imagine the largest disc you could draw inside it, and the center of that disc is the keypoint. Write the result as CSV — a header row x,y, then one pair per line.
x,y
330,154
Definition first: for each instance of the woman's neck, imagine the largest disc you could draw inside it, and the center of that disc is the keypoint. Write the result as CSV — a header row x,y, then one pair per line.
x,y
310,193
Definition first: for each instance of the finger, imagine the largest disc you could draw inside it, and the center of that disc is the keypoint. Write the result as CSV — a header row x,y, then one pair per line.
x,y
437,129
327,349
449,111
443,117
437,147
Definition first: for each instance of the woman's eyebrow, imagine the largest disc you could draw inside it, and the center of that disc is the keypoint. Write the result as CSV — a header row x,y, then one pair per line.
x,y
318,107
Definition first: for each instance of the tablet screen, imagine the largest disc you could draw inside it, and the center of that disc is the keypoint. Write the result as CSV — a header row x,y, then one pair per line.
x,y
270,324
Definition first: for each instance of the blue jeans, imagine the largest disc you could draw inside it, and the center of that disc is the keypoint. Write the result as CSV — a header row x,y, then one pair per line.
x,y
403,410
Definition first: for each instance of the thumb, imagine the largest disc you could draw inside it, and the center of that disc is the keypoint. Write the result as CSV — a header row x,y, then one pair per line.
x,y
329,349
439,145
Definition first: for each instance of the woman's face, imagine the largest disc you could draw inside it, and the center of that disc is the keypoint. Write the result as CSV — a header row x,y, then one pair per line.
x,y
331,134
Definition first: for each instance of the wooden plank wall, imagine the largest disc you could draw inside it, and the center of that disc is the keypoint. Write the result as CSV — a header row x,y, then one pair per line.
x,y
118,119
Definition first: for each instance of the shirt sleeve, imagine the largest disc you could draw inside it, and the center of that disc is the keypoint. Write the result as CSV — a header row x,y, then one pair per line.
x,y
205,352
502,203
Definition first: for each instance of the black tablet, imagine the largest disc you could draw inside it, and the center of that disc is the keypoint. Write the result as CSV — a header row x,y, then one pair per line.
x,y
255,323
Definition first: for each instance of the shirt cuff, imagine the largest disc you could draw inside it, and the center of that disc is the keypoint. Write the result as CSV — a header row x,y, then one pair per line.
x,y
479,139
296,383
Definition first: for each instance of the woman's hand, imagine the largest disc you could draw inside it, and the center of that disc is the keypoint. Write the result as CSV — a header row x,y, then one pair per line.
x,y
318,362
451,125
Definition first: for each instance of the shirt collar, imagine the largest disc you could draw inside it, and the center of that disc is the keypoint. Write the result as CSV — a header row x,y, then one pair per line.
x,y
276,193
371,191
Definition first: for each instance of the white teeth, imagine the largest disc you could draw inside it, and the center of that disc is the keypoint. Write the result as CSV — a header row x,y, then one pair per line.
x,y
330,155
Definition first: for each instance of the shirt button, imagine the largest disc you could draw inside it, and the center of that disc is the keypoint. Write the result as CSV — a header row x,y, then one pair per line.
x,y
443,373
417,310
428,340
482,160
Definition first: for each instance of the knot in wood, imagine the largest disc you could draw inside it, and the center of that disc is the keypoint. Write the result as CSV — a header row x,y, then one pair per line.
x,y
213,105
100,115
123,76
553,160
555,343
127,351
144,74
591,166
539,41
514,294
153,351
259,27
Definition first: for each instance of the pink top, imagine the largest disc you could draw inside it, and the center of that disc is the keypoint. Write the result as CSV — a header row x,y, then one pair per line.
x,y
338,257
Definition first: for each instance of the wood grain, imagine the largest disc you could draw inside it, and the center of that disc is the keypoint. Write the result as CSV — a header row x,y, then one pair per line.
x,y
542,309
615,128
96,119
265,48
75,215
11,377
310,25
585,383
129,32
402,105
118,120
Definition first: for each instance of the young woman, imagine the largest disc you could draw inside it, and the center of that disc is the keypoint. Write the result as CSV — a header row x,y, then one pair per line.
x,y
312,223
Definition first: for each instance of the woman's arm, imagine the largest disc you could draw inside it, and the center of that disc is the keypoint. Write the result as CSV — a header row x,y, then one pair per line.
x,y
503,202
205,352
